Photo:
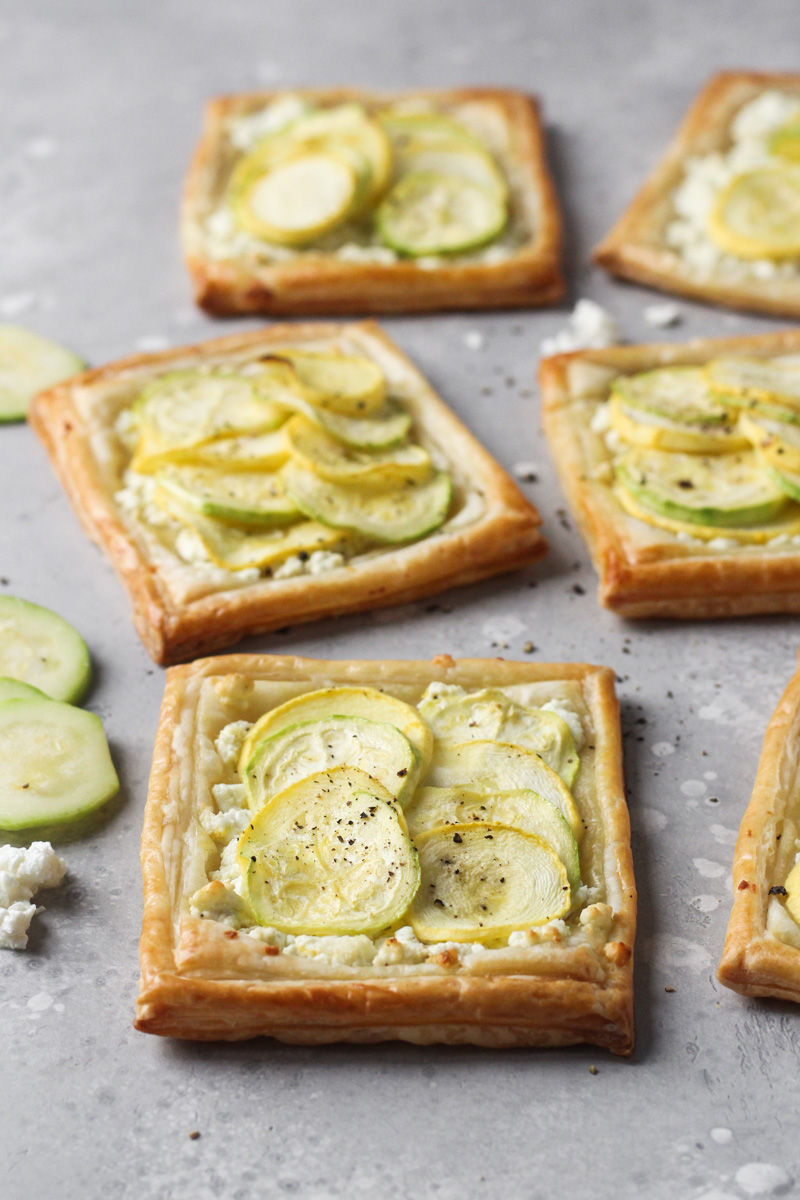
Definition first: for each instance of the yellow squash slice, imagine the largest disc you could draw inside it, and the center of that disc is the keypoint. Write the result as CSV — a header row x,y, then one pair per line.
x,y
786,523
250,452
344,383
758,214
298,200
249,498
657,433
326,456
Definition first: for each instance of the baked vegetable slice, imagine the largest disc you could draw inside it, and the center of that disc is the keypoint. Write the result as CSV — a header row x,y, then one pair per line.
x,y
248,452
778,442
238,497
331,459
748,382
641,428
365,702
758,214
398,514
329,855
39,647
295,201
482,882
427,213
785,524
55,765
682,394
309,747
29,363
344,383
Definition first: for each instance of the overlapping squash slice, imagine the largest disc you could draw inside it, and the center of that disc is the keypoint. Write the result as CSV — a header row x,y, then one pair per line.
x,y
317,451
344,383
249,498
758,214
329,855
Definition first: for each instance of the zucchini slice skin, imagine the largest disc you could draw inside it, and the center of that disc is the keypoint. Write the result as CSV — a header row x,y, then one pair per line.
x,y
40,648
429,214
29,363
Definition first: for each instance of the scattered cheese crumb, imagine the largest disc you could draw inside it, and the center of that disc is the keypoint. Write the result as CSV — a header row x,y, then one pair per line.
x,y
591,327
528,472
229,743
662,315
22,873
474,340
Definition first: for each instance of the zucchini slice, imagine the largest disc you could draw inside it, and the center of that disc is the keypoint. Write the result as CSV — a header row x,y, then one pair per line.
x,y
758,214
29,364
681,394
429,213
40,648
777,441
430,128
343,702
491,767
238,497
434,807
786,524
248,452
787,481
344,383
472,164
481,882
297,200
15,689
729,490
489,715
309,747
329,855
640,428
329,458
400,514
753,381
333,128
55,764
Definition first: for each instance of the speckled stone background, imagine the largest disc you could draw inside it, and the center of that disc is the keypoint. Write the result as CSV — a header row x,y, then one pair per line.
x,y
100,109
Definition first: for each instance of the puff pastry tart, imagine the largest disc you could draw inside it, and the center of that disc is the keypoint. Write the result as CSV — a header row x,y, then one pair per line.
x,y
356,851
275,477
339,200
680,464
718,217
762,948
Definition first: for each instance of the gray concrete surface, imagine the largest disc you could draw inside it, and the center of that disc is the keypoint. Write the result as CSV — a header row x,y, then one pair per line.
x,y
100,108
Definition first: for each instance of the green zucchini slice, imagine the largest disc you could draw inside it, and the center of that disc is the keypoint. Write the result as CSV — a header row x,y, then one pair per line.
x,y
431,213
344,383
482,882
55,765
329,855
248,452
471,164
15,689
29,364
681,394
39,647
331,459
745,380
237,497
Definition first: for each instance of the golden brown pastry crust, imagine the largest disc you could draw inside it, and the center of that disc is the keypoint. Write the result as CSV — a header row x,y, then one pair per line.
x,y
505,537
635,247
754,962
203,981
530,277
645,571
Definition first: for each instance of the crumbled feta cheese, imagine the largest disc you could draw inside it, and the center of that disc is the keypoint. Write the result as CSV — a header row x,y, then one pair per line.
x,y
569,717
662,315
229,795
528,472
722,543
22,873
356,951
290,567
229,742
245,131
474,340
219,901
352,252
591,327
189,547
601,419
228,871
268,935
222,826
324,560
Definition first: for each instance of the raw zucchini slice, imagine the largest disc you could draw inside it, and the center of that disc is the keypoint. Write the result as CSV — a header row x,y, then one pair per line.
x,y
400,514
29,364
42,649
237,497
239,550
728,490
309,747
470,163
681,394
329,458
746,381
250,452
640,428
429,213
434,807
329,855
491,767
786,524
344,383
778,442
343,702
297,200
758,214
481,882
15,689
54,764
489,715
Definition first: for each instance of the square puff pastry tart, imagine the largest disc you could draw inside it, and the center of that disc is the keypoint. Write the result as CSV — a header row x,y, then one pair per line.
x,y
202,980
646,571
638,246
521,268
183,608
762,947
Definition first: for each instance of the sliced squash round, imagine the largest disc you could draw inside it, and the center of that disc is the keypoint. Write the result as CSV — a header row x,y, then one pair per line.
x,y
461,161
785,142
786,524
298,200
681,394
344,383
787,481
429,213
40,648
482,882
456,715
727,490
640,428
758,214
399,514
326,456
29,363
343,702
527,811
15,689
430,128
754,380
490,767
248,452
248,498
344,124
282,758
778,442
329,855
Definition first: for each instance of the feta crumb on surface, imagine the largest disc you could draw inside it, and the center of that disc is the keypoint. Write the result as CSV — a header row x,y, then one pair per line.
x,y
228,796
229,742
591,327
355,951
222,826
662,315
324,560
290,567
190,548
528,472
474,339
250,128
22,873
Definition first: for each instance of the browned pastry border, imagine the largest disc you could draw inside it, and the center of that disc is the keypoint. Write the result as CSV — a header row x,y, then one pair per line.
x,y
754,962
506,536
665,579
635,247
324,284
203,981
